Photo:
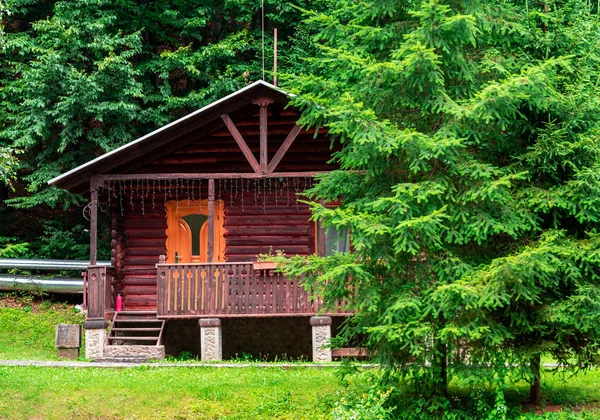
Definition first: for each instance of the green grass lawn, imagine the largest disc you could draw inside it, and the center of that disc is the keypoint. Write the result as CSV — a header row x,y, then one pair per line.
x,y
166,393
27,326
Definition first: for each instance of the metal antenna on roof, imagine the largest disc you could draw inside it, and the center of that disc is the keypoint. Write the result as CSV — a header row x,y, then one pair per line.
x,y
263,37
275,56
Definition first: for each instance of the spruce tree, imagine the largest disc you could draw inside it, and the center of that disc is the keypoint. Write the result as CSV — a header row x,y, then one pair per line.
x,y
469,180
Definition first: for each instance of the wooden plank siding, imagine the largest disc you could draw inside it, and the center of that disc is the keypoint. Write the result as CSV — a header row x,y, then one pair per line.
x,y
273,220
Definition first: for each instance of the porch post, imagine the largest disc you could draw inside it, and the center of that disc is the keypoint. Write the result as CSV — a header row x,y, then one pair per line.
x,y
93,220
211,220
95,324
263,137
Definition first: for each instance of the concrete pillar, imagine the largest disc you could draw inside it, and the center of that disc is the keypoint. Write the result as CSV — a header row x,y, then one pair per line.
x,y
95,337
321,336
211,346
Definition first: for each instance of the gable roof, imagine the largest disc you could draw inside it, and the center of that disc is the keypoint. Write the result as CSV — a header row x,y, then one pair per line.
x,y
77,180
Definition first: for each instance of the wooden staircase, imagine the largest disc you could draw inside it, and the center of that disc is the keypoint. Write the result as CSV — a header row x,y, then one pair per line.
x,y
135,335
136,327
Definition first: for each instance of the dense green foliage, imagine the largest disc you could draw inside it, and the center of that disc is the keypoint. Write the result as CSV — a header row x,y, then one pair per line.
x,y
470,185
79,78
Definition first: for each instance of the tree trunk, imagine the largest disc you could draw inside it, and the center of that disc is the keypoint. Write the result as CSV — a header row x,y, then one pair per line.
x,y
3,195
440,366
535,391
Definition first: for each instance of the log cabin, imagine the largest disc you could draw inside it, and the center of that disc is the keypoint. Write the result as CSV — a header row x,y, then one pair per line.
x,y
191,205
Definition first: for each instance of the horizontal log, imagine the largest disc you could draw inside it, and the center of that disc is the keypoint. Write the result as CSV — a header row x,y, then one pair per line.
x,y
275,219
139,281
149,289
239,257
137,223
267,241
139,233
218,146
237,157
273,120
172,159
255,250
139,302
142,242
255,131
135,260
156,213
147,251
283,210
266,230
216,175
135,269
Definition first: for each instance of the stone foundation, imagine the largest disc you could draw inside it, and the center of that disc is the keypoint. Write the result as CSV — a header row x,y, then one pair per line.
x,y
211,346
94,343
149,352
321,336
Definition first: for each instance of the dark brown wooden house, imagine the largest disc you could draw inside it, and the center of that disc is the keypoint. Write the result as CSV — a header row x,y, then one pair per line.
x,y
192,204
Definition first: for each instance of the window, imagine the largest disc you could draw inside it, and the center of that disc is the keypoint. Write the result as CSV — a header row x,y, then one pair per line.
x,y
195,223
330,240
187,232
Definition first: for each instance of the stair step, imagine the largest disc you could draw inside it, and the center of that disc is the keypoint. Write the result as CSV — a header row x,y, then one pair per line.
x,y
134,338
137,320
136,313
136,329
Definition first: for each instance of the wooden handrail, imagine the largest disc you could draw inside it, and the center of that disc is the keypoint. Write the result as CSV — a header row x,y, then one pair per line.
x,y
229,289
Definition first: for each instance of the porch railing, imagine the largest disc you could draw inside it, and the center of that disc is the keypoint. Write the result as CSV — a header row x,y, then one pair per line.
x,y
229,290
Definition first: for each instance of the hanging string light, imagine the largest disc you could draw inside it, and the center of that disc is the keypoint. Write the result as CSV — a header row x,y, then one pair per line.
x,y
177,195
165,195
296,189
131,193
243,194
153,192
255,193
108,185
264,182
187,182
121,197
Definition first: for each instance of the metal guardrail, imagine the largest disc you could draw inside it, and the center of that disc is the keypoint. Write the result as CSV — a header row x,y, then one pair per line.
x,y
11,282
54,285
32,264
